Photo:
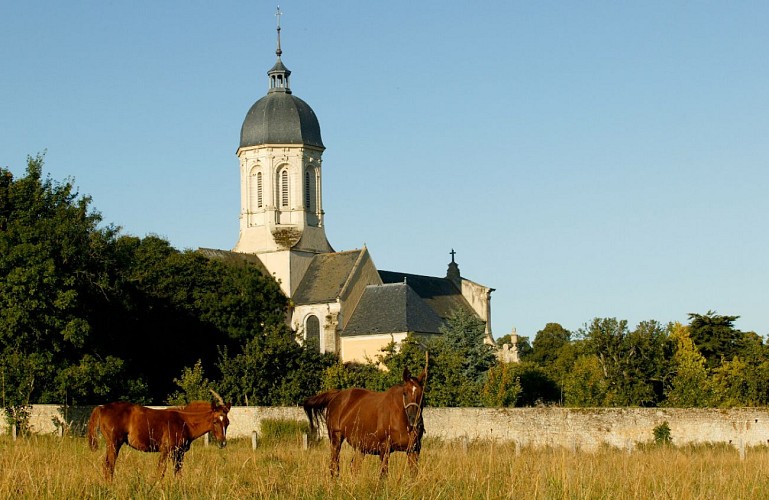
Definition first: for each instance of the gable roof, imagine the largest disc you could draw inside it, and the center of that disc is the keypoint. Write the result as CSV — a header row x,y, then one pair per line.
x,y
441,294
326,277
392,308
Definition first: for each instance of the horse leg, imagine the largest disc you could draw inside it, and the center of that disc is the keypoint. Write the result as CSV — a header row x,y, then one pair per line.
x,y
113,448
384,458
336,445
357,458
164,452
413,459
178,457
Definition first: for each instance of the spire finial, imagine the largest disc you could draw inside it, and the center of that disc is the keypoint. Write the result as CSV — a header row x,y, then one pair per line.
x,y
453,253
278,13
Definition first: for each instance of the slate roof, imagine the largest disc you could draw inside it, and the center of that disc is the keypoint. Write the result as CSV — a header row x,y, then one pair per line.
x,y
391,308
233,258
326,277
441,294
280,118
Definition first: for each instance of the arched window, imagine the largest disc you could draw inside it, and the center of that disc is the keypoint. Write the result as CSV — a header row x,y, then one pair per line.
x,y
284,188
259,199
312,329
255,190
309,190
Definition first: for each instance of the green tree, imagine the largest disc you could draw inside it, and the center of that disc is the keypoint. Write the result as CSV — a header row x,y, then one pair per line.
x,y
689,386
519,384
348,375
193,386
48,236
585,385
715,337
502,387
464,334
272,369
548,343
460,360
632,363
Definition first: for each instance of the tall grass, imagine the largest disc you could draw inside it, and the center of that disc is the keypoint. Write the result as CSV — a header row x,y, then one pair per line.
x,y
51,467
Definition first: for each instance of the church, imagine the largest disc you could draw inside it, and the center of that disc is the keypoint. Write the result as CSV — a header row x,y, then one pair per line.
x,y
339,300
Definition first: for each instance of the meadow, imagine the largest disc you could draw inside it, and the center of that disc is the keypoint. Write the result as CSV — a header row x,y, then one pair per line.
x,y
53,467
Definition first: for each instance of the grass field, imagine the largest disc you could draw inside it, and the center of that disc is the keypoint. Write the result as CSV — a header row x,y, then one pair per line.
x,y
52,467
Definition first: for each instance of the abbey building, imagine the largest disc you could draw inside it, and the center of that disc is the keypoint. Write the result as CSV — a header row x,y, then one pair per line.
x,y
340,300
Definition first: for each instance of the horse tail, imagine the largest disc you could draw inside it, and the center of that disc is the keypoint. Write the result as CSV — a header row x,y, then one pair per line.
x,y
93,428
315,407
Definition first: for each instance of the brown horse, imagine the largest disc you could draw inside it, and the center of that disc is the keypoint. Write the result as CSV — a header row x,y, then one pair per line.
x,y
169,431
374,423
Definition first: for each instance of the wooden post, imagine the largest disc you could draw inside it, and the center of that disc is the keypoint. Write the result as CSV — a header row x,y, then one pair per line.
x,y
464,444
254,440
742,449
61,431
14,431
305,441
205,439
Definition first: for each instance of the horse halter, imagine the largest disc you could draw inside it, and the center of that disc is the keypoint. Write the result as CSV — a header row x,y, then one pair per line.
x,y
406,407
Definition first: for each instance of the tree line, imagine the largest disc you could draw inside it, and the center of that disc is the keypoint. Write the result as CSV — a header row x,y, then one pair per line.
x,y
89,315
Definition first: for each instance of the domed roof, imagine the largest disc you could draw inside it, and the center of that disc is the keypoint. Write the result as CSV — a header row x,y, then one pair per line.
x,y
280,118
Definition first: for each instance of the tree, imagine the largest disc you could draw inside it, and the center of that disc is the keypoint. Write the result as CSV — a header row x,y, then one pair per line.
x,y
548,343
48,235
272,369
715,337
460,360
689,385
519,384
585,385
502,387
631,362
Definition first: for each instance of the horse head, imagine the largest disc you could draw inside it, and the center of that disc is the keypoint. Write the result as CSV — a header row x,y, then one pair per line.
x,y
219,421
413,394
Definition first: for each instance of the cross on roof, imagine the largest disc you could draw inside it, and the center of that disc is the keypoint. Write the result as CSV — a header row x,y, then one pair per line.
x,y
453,253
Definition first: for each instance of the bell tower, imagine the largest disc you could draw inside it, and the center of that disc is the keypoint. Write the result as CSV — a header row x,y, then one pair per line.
x,y
281,155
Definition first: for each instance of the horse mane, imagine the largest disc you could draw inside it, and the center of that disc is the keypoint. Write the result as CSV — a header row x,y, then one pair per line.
x,y
197,406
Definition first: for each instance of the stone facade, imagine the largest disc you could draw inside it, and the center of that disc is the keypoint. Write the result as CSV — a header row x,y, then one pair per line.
x,y
584,429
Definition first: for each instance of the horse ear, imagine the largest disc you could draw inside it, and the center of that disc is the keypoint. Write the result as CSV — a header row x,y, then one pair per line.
x,y
406,374
423,376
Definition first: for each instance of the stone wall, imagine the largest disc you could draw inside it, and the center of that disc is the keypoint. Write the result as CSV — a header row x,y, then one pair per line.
x,y
575,428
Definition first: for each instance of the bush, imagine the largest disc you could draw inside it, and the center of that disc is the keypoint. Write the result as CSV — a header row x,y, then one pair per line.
x,y
662,434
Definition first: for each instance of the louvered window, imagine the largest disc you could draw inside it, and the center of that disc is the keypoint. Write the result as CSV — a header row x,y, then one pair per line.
x,y
284,188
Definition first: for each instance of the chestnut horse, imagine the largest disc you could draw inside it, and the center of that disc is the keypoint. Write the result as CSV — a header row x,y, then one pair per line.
x,y
169,431
374,423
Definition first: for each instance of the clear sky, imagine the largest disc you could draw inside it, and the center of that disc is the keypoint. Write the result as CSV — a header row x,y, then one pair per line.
x,y
586,159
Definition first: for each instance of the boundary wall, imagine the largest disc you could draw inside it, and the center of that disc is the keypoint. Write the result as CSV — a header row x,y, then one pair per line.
x,y
575,428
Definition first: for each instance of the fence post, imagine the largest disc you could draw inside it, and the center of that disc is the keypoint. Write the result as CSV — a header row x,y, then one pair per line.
x,y
742,449
305,441
205,439
254,440
14,431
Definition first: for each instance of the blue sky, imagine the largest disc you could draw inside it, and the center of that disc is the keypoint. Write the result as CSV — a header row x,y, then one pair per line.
x,y
586,159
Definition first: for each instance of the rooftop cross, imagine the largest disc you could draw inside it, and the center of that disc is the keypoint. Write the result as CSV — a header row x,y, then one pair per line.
x,y
453,253
278,13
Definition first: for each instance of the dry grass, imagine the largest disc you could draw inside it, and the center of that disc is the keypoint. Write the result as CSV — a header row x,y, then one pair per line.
x,y
49,467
